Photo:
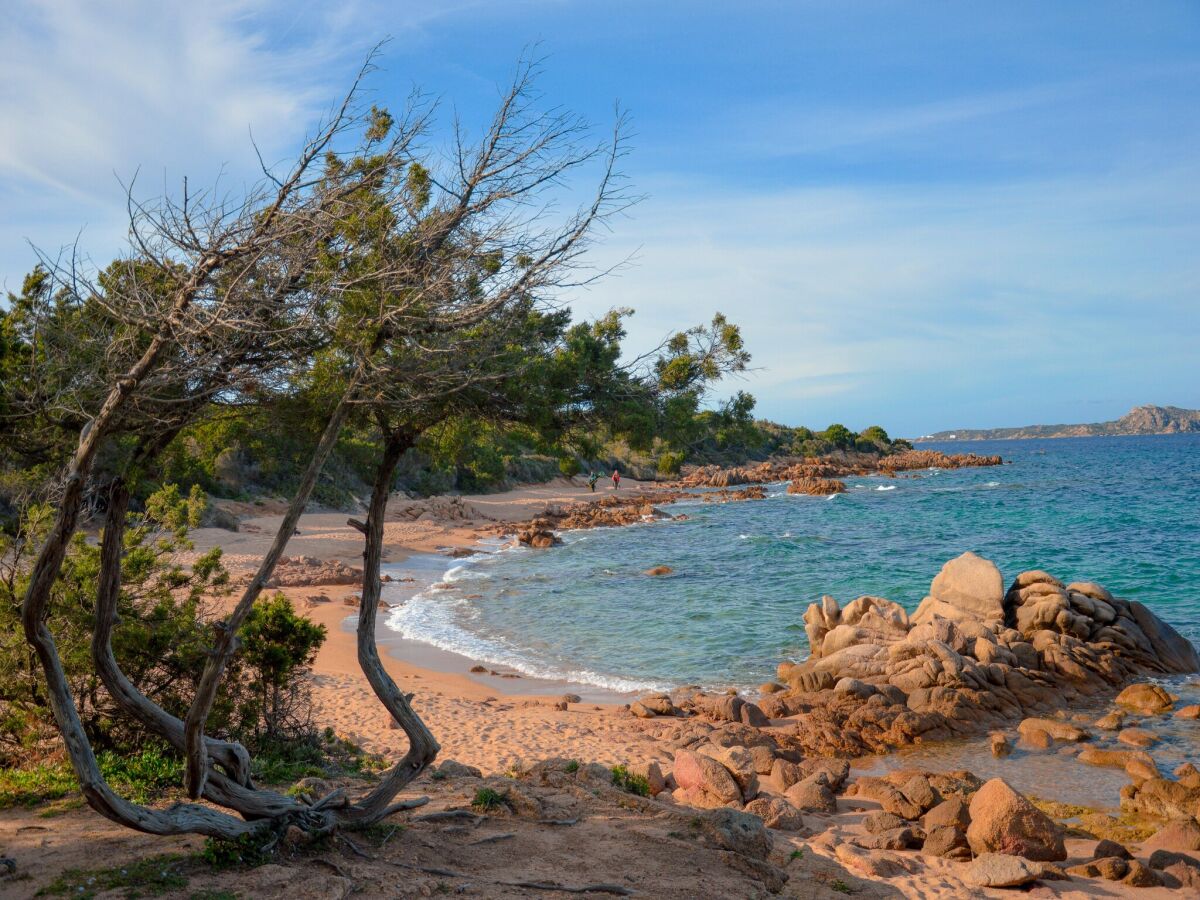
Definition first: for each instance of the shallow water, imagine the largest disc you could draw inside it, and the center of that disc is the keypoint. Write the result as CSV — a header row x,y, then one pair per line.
x,y
1121,511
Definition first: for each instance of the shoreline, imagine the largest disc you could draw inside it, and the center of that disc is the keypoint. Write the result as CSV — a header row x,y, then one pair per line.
x,y
485,720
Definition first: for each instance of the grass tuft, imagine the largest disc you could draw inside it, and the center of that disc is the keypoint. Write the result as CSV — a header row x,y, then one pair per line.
x,y
628,781
489,800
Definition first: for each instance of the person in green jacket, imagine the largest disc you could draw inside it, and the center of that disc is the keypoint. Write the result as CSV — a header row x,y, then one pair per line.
x,y
592,479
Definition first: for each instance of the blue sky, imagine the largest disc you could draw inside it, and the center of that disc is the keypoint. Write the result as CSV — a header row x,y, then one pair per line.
x,y
925,215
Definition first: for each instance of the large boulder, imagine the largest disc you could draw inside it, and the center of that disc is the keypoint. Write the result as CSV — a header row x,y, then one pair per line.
x,y
968,587
695,771
1145,698
1003,821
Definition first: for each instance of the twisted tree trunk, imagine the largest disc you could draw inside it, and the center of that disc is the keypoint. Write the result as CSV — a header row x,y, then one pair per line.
x,y
423,749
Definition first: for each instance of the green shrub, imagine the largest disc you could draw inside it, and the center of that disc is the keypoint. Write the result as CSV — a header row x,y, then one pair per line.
x,y
670,462
247,850
628,781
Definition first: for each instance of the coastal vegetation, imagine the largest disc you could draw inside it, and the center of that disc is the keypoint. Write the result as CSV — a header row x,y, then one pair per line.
x,y
372,301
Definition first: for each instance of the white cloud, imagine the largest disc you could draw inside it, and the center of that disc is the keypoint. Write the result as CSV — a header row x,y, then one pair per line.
x,y
92,91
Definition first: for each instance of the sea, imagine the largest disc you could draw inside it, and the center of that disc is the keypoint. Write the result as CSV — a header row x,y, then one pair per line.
x,y
1121,511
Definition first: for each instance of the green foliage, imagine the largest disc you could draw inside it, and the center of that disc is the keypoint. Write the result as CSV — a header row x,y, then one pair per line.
x,y
35,784
628,781
249,850
160,642
839,436
278,646
149,877
670,462
489,800
142,777
571,767
284,760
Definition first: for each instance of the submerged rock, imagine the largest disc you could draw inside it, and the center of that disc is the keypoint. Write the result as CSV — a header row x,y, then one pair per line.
x,y
1147,699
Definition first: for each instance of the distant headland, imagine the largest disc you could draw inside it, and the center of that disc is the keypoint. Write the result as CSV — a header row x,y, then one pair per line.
x,y
1139,420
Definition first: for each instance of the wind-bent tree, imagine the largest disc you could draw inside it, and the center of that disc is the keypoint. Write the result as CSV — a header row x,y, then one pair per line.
x,y
221,297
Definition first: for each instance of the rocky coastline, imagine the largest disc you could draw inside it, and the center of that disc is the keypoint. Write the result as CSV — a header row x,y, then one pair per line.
x,y
972,658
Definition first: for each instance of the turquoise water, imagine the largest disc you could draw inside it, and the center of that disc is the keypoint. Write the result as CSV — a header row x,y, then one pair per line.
x,y
1121,511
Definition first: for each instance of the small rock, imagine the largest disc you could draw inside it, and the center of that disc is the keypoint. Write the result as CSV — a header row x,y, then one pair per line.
x,y
1000,745
948,812
918,790
1037,739
1112,721
659,570
698,772
879,822
1111,868
652,772
1191,711
571,698
451,768
740,832
776,813
893,839
947,841
752,714
1001,870
1141,876
1060,731
639,709
1137,737
1107,848
811,795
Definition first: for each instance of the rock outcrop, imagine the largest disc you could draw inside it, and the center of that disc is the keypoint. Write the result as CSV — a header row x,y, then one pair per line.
x,y
817,487
971,656
830,467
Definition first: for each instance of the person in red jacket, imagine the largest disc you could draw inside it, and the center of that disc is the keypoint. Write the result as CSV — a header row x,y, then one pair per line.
x,y
616,477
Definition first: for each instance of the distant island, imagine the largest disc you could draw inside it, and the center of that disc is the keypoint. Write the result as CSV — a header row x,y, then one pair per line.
x,y
1139,420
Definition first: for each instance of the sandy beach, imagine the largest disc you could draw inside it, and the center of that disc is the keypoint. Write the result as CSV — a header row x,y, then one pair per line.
x,y
484,720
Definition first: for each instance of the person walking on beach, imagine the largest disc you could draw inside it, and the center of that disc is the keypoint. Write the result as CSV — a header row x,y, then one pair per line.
x,y
592,479
616,477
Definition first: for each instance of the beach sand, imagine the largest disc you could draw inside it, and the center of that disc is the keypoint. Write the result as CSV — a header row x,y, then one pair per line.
x,y
488,721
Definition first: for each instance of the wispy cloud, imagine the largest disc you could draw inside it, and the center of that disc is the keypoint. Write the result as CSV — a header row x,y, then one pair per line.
x,y
849,297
